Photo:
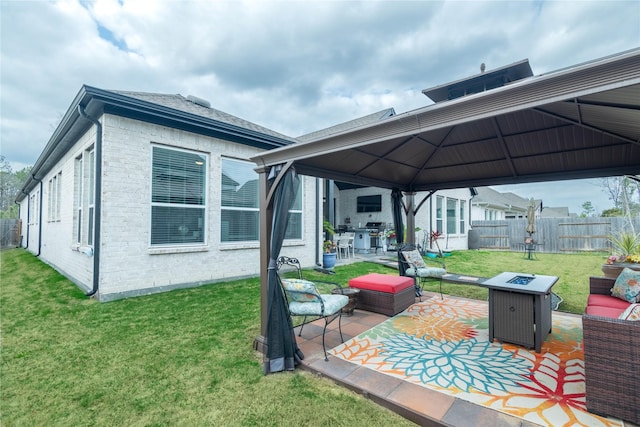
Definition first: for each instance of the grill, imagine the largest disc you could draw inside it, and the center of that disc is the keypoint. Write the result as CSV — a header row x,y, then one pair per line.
x,y
375,229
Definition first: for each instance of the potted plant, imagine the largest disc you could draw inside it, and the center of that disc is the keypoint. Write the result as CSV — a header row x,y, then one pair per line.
x,y
625,253
329,255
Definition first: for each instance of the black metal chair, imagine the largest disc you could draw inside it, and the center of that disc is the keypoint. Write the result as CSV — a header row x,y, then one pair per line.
x,y
304,300
412,264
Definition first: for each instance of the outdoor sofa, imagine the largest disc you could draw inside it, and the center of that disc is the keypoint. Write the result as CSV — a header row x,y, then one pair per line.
x,y
611,354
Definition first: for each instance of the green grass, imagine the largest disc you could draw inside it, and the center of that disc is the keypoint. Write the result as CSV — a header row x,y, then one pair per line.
x,y
180,358
573,271
186,357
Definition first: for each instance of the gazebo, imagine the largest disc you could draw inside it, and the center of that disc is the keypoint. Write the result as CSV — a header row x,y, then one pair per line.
x,y
578,122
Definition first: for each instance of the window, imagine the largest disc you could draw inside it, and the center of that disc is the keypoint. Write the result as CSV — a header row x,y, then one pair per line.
x,y
452,205
78,191
84,196
91,173
439,216
241,205
369,203
178,203
55,188
463,208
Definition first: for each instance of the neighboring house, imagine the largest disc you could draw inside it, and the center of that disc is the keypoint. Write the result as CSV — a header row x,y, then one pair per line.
x,y
548,212
492,205
138,193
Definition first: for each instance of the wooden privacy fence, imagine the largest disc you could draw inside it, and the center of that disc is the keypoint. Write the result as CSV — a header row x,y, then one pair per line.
x,y
553,235
10,233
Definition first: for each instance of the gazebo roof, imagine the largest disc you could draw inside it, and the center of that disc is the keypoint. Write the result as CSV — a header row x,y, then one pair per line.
x,y
578,122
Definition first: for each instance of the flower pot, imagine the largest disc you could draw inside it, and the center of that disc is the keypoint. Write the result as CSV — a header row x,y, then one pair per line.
x,y
328,260
611,271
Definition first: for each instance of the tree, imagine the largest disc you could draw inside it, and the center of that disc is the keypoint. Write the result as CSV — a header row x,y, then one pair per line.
x,y
587,209
624,192
612,212
10,184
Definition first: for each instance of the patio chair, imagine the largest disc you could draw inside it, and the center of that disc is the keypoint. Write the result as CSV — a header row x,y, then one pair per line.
x,y
344,247
305,301
412,264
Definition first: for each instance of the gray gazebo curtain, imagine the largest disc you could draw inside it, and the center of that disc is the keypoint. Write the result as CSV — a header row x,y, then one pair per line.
x,y
282,349
396,207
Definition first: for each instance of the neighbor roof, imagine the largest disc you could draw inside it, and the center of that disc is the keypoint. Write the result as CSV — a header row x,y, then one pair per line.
x,y
508,201
579,122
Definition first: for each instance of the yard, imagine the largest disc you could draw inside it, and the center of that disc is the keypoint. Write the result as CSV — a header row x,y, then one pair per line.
x,y
185,357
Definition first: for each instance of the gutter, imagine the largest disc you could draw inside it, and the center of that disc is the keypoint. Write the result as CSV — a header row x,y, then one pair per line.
x,y
97,201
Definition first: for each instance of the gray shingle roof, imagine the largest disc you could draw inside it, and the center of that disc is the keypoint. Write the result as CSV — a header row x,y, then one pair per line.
x,y
181,103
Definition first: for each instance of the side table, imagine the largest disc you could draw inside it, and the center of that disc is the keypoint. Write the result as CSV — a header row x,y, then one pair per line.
x,y
352,293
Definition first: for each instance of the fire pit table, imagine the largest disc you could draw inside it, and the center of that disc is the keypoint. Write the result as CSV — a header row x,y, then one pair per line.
x,y
520,308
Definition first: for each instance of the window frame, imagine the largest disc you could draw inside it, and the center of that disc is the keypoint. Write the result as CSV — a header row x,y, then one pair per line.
x,y
203,206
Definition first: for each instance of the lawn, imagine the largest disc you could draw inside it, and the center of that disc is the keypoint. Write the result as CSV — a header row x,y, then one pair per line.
x,y
185,357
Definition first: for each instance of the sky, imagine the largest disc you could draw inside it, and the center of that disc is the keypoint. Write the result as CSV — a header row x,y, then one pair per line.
x,y
292,66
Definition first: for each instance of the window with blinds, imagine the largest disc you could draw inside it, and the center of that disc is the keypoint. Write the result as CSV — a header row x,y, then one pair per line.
x,y
178,203
241,207
452,211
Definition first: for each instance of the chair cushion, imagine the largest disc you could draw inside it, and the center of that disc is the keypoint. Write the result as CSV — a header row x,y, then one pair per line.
x,y
332,303
631,313
381,283
627,286
611,312
300,290
606,301
414,258
427,272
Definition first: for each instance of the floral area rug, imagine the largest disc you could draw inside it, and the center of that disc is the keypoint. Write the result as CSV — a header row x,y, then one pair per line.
x,y
443,345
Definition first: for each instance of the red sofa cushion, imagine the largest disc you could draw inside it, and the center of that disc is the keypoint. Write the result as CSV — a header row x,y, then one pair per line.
x,y
606,301
611,312
381,283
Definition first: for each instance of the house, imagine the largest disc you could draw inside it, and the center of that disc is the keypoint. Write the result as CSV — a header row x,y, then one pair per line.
x,y
492,205
137,193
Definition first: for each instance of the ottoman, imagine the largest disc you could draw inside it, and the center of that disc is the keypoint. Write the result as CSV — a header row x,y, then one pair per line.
x,y
383,293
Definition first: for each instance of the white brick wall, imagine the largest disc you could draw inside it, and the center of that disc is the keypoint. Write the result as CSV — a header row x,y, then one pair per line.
x,y
128,264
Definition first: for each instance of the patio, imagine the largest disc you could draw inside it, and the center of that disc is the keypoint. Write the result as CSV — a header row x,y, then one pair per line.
x,y
415,402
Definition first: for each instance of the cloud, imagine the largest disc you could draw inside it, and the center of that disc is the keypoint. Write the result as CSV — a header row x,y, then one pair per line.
x,y
292,66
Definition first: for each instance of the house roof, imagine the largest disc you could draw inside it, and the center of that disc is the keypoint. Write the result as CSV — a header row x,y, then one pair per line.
x,y
579,122
175,111
506,201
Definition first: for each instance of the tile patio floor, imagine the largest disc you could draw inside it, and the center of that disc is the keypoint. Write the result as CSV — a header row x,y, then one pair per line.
x,y
423,406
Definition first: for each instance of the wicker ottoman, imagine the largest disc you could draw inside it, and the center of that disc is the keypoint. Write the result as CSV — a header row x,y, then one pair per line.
x,y
383,293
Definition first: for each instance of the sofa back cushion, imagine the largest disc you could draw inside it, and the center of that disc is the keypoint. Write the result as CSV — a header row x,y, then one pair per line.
x,y
627,286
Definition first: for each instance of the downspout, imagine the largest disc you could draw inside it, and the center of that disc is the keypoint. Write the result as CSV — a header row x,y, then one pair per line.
x,y
97,202
19,221
39,219
28,218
